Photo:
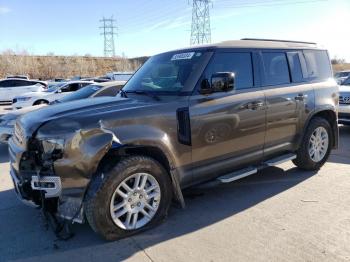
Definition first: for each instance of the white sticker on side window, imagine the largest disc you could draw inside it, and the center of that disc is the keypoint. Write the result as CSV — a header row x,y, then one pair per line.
x,y
183,56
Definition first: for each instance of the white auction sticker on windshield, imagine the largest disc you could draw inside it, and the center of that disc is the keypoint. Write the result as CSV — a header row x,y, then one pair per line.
x,y
183,56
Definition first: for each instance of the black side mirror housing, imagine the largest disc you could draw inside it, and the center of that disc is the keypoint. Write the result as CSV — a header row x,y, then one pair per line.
x,y
220,82
223,81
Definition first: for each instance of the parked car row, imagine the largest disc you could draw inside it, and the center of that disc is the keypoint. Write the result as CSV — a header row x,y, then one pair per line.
x,y
214,113
12,87
7,122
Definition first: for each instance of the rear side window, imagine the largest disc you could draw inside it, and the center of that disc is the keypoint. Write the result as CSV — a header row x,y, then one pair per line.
x,y
276,68
295,67
238,63
318,65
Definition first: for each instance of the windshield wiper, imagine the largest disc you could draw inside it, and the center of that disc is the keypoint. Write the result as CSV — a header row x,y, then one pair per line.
x,y
142,92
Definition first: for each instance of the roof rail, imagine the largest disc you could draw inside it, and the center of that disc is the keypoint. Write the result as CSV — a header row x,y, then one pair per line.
x,y
276,40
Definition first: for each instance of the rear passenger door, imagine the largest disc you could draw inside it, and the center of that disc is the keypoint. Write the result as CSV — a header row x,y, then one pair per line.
x,y
288,95
227,128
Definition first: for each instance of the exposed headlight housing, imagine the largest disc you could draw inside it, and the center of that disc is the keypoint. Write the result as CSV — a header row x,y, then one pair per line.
x,y
53,147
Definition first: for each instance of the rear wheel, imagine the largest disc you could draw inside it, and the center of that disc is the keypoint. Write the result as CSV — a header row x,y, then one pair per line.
x,y
133,196
316,145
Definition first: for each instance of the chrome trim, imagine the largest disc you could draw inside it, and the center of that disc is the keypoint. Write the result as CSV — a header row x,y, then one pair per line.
x,y
17,184
49,192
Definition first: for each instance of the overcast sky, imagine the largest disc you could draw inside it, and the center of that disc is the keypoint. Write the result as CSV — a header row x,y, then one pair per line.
x,y
147,27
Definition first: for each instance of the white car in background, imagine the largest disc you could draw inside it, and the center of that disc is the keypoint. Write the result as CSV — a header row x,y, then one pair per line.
x,y
344,102
54,92
120,76
12,87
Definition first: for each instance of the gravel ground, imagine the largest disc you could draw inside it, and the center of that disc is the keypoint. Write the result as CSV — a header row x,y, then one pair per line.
x,y
279,214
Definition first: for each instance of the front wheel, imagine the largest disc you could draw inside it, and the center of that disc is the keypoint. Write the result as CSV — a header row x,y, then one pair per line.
x,y
316,145
133,196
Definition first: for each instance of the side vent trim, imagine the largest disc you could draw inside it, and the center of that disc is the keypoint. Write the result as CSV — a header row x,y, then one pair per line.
x,y
183,126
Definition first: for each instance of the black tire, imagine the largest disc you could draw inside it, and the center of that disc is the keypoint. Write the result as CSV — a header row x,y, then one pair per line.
x,y
303,160
101,189
41,102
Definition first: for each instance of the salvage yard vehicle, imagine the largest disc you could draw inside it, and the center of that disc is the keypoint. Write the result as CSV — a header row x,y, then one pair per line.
x,y
7,122
218,112
56,91
341,76
344,102
11,87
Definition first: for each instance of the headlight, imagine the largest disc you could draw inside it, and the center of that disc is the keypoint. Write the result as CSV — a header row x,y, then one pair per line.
x,y
22,99
53,145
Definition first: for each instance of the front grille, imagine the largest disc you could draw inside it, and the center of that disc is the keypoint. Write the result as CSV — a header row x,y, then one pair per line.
x,y
19,136
344,99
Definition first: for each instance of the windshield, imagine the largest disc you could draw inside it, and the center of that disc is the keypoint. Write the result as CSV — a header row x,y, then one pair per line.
x,y
165,72
85,92
54,87
342,74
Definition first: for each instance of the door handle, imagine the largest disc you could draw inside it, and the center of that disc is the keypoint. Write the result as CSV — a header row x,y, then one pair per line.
x,y
252,105
300,97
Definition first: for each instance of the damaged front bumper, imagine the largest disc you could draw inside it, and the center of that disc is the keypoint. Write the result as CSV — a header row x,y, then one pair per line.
x,y
42,190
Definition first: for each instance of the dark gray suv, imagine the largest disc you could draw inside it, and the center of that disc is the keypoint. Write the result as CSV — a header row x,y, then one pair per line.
x,y
218,112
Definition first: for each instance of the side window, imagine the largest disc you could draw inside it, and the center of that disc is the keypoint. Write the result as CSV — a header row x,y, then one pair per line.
x,y
81,85
238,63
276,68
71,88
110,91
21,83
5,83
295,67
318,65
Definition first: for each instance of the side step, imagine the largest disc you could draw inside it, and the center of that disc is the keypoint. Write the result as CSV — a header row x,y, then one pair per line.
x,y
228,178
237,175
281,159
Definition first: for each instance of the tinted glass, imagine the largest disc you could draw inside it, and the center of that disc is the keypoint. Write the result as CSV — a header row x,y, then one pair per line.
x,y
70,88
85,92
4,83
238,63
276,69
295,66
318,65
165,73
109,91
21,83
346,82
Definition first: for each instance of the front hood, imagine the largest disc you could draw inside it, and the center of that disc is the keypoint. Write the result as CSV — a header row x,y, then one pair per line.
x,y
90,109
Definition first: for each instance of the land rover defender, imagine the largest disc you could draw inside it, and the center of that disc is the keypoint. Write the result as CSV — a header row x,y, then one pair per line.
x,y
209,113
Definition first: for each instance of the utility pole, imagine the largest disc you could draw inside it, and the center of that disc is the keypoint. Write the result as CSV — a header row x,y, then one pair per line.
x,y
108,31
200,29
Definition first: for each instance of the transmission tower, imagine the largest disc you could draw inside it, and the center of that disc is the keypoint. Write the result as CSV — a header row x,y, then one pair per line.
x,y
108,31
200,29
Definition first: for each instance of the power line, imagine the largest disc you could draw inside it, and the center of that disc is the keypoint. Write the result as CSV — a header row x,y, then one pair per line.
x,y
200,29
266,3
108,26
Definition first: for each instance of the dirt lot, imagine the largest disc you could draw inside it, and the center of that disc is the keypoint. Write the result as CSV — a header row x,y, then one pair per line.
x,y
280,214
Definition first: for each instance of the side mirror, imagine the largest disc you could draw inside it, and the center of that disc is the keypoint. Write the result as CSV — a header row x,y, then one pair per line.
x,y
222,82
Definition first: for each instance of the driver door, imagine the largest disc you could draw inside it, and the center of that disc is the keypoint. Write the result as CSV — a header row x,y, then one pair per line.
x,y
228,128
